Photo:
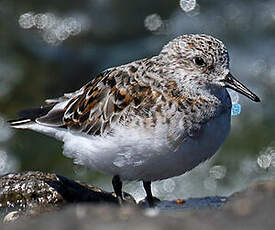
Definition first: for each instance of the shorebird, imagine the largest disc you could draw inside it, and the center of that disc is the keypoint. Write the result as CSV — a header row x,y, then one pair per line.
x,y
148,120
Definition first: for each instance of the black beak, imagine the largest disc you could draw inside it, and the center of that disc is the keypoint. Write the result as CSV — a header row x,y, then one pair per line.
x,y
233,83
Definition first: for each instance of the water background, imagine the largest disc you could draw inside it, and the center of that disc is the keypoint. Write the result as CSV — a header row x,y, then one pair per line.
x,y
51,47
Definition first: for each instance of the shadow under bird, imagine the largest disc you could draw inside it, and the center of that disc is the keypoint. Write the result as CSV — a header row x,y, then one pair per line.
x,y
148,120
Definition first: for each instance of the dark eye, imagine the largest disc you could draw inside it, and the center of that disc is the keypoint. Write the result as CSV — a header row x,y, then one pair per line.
x,y
199,61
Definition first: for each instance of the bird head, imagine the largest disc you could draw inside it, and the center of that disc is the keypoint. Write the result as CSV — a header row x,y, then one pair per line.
x,y
205,59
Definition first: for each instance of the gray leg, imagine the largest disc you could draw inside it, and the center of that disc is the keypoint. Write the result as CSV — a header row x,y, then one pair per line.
x,y
149,196
117,185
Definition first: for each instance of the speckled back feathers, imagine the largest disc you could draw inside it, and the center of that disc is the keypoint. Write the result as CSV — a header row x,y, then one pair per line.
x,y
149,92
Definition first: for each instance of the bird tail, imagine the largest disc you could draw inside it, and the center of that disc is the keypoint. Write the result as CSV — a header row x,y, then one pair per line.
x,y
27,117
20,123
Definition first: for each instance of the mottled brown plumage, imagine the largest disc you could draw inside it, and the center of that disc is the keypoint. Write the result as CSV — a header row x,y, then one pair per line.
x,y
148,91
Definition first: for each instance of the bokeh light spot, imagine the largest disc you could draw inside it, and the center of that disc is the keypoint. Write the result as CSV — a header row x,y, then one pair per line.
x,y
51,38
264,161
217,172
26,21
61,32
188,5
40,21
73,27
55,29
153,22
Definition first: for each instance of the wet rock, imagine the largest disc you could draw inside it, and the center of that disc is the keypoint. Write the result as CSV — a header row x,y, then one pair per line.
x,y
254,210
191,203
12,216
251,209
32,193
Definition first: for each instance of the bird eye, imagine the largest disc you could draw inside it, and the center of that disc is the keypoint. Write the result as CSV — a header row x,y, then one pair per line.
x,y
199,61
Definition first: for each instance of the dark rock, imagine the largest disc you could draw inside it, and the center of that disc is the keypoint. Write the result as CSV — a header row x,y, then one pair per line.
x,y
33,193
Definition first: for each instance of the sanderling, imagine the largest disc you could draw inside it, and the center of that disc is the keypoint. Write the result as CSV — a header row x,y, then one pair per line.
x,y
150,119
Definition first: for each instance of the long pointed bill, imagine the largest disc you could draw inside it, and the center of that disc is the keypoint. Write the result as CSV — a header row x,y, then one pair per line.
x,y
233,83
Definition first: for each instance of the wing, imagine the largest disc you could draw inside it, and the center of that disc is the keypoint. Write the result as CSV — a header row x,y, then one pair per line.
x,y
137,94
116,96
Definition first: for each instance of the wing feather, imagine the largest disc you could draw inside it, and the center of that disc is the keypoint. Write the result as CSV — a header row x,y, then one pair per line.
x,y
103,101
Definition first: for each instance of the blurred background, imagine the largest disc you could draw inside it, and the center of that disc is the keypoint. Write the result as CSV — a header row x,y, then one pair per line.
x,y
51,47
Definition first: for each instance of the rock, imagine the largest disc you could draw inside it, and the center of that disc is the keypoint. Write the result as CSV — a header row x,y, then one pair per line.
x,y
32,193
250,209
191,203
258,197
12,216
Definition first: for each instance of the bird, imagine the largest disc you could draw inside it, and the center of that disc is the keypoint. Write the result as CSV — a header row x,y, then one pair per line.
x,y
147,120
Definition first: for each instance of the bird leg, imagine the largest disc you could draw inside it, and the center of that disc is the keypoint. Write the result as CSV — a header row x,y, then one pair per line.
x,y
149,197
117,185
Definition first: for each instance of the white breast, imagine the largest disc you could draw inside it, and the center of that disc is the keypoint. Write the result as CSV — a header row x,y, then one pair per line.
x,y
137,154
151,165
